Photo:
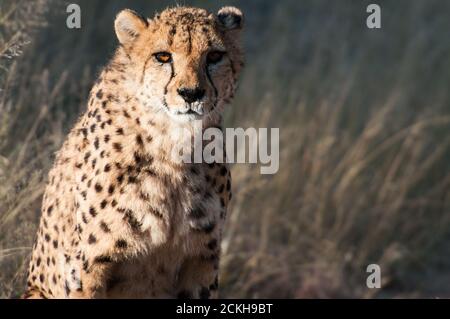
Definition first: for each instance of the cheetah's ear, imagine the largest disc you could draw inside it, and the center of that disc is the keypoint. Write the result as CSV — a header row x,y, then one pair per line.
x,y
129,25
231,18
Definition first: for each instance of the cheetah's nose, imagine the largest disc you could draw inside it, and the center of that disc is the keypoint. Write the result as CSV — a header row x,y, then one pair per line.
x,y
191,95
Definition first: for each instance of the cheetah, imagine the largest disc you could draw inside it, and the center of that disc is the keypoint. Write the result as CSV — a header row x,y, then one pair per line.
x,y
120,218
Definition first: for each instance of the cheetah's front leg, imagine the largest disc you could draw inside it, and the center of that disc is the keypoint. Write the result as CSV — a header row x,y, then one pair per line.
x,y
198,275
102,244
199,278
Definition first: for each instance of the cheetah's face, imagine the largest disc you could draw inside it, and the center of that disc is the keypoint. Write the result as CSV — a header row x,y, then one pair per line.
x,y
186,60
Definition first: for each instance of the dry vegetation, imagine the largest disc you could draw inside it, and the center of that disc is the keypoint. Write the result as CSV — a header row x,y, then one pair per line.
x,y
364,119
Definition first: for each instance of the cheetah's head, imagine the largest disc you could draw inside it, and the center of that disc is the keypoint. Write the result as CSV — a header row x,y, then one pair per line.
x,y
186,61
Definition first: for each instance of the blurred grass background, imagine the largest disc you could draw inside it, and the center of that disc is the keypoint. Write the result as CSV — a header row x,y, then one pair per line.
x,y
364,118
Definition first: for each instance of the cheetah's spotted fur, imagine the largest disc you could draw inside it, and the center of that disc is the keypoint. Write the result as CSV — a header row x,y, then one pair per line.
x,y
119,218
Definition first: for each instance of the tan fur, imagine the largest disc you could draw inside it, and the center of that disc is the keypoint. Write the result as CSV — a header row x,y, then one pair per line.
x,y
120,219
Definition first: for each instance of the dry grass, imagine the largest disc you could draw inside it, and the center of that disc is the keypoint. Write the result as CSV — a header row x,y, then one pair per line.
x,y
364,120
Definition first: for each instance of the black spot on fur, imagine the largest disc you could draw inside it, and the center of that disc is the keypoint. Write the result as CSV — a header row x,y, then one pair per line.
x,y
139,140
150,172
86,156
207,195
121,243
194,170
223,171
131,220
132,179
98,187
117,147
198,212
92,239
84,131
137,158
102,259
92,211
104,227
208,228
85,265
212,244
66,287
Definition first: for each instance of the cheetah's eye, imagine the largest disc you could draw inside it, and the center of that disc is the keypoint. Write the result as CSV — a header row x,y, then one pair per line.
x,y
163,57
214,57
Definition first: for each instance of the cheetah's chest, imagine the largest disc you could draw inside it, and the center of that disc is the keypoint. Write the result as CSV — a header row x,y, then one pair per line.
x,y
180,206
